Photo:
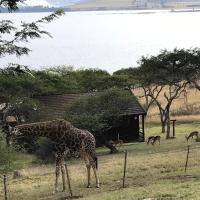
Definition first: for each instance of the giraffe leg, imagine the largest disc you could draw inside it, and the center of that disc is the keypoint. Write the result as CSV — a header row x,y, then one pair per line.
x,y
63,174
57,175
88,166
88,174
93,163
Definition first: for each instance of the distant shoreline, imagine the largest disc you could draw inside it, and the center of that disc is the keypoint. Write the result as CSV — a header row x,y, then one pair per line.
x,y
186,10
66,9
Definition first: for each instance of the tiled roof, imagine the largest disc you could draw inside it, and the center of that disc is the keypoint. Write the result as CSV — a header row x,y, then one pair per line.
x,y
55,105
135,109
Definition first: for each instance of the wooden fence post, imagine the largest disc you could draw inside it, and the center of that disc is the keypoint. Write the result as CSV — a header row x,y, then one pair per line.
x,y
124,177
5,187
186,163
68,180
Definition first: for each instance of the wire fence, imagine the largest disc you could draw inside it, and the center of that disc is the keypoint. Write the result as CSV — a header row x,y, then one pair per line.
x,y
190,159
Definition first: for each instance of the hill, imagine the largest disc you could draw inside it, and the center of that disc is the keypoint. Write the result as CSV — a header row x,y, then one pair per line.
x,y
134,4
90,5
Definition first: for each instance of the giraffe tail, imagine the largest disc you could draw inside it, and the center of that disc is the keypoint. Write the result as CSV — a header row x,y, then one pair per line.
x,y
95,159
96,162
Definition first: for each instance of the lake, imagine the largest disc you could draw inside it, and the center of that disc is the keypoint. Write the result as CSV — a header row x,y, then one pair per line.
x,y
108,40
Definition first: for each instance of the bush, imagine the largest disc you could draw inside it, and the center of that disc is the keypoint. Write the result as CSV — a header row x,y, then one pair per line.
x,y
191,109
100,111
45,150
8,156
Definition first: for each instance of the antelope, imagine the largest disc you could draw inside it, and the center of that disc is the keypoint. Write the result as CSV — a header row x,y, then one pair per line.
x,y
156,138
192,134
118,142
150,139
153,139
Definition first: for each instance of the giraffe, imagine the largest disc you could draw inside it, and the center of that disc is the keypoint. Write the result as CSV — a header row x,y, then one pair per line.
x,y
65,136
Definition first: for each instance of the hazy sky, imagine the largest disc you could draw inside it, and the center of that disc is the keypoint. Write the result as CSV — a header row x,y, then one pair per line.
x,y
107,40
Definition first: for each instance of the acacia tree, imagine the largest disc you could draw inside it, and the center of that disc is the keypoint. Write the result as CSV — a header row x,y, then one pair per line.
x,y
18,37
191,72
164,76
14,45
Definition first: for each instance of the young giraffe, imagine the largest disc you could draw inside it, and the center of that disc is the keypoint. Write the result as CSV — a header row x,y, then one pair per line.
x,y
65,136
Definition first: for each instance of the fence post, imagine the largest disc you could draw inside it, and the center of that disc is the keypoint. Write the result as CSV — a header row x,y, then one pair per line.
x,y
124,177
173,121
5,187
186,163
68,180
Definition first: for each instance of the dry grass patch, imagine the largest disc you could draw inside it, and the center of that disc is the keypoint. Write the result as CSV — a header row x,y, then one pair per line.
x,y
152,172
193,100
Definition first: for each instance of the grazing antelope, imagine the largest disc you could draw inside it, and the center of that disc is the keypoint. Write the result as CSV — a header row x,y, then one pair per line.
x,y
192,134
153,139
149,139
118,142
156,138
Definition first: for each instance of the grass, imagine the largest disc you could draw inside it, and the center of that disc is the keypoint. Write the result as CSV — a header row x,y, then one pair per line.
x,y
152,172
183,103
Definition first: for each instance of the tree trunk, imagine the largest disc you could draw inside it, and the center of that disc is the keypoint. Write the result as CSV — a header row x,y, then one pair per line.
x,y
162,119
168,125
163,126
103,141
111,147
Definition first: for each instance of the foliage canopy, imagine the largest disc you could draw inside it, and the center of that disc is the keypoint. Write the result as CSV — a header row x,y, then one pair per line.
x,y
99,112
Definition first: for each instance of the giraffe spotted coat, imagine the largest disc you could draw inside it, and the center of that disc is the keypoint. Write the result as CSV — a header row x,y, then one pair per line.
x,y
64,136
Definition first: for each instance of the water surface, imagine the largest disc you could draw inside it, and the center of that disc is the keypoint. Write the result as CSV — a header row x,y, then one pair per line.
x,y
108,40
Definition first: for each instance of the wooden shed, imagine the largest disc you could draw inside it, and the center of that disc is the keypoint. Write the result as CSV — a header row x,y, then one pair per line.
x,y
130,128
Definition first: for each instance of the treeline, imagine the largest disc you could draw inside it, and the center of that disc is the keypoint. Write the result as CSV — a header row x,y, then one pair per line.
x,y
166,75
16,82
19,86
170,70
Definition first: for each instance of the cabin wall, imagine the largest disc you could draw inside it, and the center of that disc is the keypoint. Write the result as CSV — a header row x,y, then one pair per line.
x,y
128,129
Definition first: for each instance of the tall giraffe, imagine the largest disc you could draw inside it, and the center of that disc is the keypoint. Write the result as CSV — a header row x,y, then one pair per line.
x,y
64,136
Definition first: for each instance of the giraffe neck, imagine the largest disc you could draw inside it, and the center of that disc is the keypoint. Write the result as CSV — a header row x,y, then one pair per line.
x,y
44,129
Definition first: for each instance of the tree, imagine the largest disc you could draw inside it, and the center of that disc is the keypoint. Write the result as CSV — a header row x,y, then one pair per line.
x,y
13,46
164,75
133,77
99,112
28,31
191,71
10,4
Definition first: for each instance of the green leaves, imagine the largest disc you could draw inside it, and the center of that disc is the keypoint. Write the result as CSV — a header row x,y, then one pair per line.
x,y
99,111
27,31
170,67
6,26
51,17
10,4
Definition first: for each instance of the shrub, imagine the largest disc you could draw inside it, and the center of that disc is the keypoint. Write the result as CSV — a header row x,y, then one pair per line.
x,y
8,156
191,109
45,150
99,111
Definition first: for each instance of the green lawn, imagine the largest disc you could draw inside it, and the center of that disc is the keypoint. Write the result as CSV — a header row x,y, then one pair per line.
x,y
155,172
